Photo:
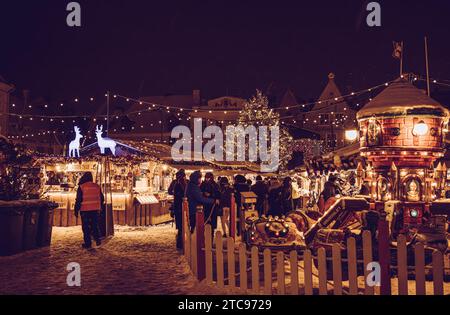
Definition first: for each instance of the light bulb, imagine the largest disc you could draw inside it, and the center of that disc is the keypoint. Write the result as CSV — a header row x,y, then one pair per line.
x,y
351,135
420,129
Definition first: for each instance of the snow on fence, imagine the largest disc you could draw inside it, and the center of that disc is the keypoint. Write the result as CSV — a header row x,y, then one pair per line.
x,y
228,264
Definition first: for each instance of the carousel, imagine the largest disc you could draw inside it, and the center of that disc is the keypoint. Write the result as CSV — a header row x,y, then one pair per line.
x,y
401,141
402,135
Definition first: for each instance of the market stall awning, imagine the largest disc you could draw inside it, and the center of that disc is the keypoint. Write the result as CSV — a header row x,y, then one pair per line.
x,y
122,150
347,151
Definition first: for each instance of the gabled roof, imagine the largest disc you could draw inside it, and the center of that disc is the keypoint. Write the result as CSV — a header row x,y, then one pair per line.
x,y
288,99
330,91
402,98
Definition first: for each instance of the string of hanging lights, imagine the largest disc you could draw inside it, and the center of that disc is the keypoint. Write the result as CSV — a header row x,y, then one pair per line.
x,y
174,109
184,114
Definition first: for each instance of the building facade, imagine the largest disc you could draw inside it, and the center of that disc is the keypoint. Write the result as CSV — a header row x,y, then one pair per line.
x,y
221,111
330,117
5,90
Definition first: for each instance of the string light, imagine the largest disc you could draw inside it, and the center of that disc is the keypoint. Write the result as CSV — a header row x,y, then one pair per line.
x,y
153,106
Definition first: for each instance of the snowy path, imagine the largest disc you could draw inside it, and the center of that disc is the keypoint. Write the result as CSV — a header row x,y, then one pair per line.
x,y
135,261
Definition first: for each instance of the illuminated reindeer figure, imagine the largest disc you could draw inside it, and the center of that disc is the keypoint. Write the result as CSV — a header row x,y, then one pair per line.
x,y
104,143
74,146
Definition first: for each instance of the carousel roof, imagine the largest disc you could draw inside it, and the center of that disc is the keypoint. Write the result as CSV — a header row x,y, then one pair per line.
x,y
402,98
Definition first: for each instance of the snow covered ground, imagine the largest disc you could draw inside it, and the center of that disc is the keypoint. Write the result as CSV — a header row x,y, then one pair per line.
x,y
134,261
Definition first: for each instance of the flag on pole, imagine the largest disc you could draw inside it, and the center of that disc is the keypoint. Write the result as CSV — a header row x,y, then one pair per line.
x,y
398,50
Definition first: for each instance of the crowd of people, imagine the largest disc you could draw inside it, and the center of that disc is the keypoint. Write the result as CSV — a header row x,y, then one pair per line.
x,y
274,197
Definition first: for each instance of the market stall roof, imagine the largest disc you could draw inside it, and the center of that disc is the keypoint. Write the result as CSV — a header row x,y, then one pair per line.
x,y
402,98
163,152
121,150
348,158
347,151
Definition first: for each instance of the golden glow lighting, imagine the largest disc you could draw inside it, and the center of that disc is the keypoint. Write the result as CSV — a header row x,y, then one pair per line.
x,y
351,135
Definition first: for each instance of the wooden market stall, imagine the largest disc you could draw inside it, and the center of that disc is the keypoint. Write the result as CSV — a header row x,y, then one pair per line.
x,y
135,185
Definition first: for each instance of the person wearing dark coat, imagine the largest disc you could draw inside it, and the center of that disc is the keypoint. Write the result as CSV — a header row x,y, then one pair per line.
x,y
226,192
261,190
210,189
195,197
287,204
364,189
240,185
330,189
177,189
274,198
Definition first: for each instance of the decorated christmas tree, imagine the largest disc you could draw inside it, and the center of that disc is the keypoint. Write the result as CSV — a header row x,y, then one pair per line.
x,y
256,112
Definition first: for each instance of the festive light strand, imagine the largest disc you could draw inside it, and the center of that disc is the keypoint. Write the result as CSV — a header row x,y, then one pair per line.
x,y
184,113
155,106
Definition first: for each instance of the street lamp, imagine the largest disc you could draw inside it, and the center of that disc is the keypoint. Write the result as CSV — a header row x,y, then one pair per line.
x,y
420,129
351,135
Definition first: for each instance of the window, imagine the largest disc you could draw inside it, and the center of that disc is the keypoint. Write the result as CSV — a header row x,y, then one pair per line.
x,y
339,118
331,140
324,119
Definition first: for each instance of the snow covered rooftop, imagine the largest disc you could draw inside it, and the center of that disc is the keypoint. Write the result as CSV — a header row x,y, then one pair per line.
x,y
402,98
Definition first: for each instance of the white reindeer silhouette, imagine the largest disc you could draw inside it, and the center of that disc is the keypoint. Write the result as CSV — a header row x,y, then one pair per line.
x,y
74,146
104,143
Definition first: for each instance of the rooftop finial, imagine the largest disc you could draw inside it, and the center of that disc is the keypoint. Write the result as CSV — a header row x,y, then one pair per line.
x,y
331,76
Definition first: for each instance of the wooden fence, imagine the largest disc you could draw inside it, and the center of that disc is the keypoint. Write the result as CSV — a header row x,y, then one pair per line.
x,y
229,265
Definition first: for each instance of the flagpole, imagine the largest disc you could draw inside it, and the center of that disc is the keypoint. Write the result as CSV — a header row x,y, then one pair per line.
x,y
107,113
426,63
401,61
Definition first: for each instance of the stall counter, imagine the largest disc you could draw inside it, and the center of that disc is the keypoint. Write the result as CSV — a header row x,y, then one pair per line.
x,y
129,209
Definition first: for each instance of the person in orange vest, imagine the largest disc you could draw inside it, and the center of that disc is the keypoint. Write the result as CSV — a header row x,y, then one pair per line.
x,y
89,203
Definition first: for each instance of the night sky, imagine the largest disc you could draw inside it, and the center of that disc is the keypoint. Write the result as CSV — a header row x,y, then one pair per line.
x,y
229,47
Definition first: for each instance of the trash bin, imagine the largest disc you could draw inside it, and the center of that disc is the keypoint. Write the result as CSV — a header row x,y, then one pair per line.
x,y
11,227
45,226
30,226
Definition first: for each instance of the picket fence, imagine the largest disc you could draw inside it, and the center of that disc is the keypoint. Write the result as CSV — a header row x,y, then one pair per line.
x,y
229,265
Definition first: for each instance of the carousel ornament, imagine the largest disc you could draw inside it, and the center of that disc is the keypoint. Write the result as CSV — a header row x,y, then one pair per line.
x,y
412,193
74,146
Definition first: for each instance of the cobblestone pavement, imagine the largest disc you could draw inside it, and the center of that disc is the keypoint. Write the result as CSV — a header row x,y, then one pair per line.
x,y
135,261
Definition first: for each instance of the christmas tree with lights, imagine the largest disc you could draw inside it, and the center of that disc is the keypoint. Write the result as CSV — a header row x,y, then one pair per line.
x,y
256,112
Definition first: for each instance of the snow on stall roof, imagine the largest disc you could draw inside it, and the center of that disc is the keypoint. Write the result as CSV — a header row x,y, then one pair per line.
x,y
402,98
